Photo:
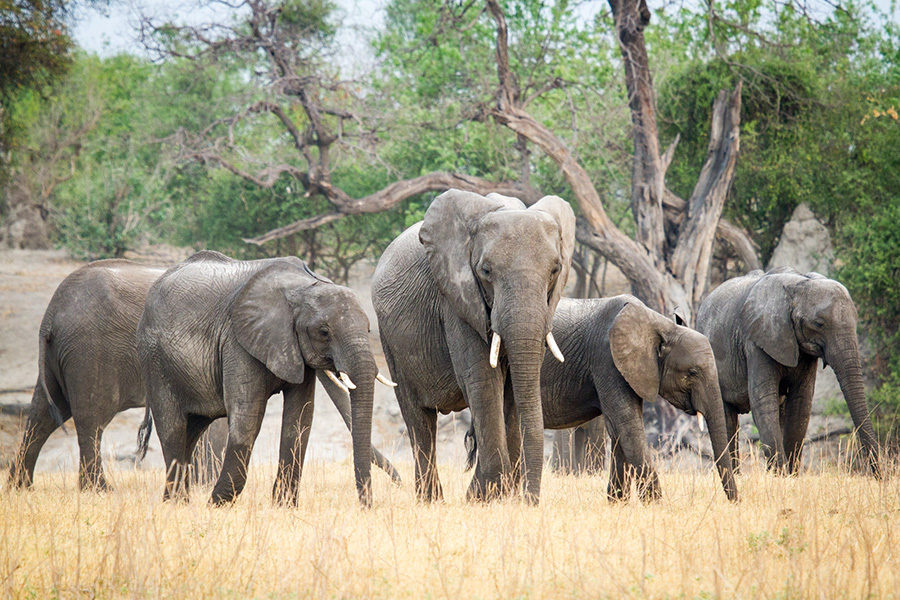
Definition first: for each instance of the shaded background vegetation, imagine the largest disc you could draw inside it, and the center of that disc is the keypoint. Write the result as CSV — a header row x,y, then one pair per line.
x,y
98,143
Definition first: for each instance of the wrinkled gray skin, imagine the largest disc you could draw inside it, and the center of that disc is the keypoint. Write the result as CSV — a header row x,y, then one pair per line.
x,y
768,332
219,336
88,366
475,266
619,353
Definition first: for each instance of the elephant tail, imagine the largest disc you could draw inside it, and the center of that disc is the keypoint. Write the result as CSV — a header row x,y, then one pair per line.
x,y
471,447
144,434
42,377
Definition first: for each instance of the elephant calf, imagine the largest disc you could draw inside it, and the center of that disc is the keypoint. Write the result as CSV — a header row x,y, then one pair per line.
x,y
768,331
219,336
618,354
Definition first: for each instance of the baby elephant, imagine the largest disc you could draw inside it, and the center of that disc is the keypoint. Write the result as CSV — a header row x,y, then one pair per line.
x,y
619,353
768,331
219,336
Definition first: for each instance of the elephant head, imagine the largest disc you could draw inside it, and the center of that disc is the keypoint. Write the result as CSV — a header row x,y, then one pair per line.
x,y
502,268
289,318
656,356
787,314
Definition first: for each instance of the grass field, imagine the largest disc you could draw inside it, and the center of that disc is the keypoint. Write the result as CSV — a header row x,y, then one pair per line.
x,y
826,534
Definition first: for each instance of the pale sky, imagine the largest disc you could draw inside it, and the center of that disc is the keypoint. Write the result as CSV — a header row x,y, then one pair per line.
x,y
118,31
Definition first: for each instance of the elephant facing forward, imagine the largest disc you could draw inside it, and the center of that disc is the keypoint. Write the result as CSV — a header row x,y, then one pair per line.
x,y
619,353
464,298
219,336
768,331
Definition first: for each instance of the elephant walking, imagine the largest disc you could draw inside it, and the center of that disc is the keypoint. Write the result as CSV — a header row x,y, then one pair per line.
x,y
768,331
619,353
219,336
464,299
88,368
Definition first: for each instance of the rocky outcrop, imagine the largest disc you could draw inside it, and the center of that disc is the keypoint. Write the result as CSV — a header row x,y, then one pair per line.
x,y
805,244
24,224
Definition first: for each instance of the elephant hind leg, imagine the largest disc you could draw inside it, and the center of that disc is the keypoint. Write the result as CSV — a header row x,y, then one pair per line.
x,y
172,432
38,427
421,423
90,463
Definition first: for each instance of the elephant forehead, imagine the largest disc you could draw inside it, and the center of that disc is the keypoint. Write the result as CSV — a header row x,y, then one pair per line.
x,y
827,297
513,225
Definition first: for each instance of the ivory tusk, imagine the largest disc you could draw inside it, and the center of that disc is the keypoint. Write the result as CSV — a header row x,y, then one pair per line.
x,y
495,350
551,343
700,421
337,381
347,381
385,380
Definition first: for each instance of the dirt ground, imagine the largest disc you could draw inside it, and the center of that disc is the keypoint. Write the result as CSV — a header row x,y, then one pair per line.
x,y
28,279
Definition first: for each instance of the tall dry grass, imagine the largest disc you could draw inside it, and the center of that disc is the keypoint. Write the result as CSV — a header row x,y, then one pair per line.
x,y
824,534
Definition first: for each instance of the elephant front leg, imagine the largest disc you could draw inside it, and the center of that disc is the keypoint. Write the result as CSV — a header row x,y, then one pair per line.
x,y
797,409
765,407
626,428
299,403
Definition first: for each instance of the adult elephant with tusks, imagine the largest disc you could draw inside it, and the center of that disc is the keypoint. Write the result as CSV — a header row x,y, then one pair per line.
x,y
768,331
465,298
219,336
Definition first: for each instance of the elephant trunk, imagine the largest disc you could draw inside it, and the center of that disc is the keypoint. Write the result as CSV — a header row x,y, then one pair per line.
x,y
844,359
524,339
708,400
360,366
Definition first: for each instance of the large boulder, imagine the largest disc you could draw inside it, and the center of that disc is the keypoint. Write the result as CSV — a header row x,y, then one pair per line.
x,y
805,244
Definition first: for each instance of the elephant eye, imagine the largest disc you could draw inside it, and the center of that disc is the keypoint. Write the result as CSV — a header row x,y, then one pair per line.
x,y
486,269
556,269
693,372
324,333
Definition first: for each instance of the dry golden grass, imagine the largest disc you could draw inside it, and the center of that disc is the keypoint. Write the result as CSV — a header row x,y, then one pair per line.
x,y
826,534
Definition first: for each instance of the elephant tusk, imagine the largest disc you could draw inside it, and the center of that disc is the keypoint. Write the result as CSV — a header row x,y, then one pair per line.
x,y
495,350
337,381
700,421
551,343
347,381
385,380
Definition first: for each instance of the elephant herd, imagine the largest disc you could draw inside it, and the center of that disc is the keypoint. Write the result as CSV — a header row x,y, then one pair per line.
x,y
467,302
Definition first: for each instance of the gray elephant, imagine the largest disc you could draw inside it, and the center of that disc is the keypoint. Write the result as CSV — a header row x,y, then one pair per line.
x,y
619,353
219,336
89,368
768,331
464,298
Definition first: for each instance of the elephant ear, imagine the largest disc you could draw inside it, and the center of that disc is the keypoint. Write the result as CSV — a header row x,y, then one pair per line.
x,y
636,337
562,212
766,320
263,319
446,233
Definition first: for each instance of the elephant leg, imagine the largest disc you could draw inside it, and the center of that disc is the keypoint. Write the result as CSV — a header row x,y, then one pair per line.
x,y
765,406
731,429
797,409
90,470
514,446
421,423
594,445
196,426
243,428
629,428
619,476
206,460
561,458
172,433
38,427
299,402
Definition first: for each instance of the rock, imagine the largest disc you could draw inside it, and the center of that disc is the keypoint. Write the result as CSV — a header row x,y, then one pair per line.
x,y
805,244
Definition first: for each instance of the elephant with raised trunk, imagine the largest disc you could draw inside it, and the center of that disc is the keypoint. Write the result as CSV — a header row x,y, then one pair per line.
x,y
768,331
219,336
465,302
619,353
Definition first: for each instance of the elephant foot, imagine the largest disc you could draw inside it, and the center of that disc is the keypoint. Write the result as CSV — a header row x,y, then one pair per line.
x,y
98,485
19,479
485,491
